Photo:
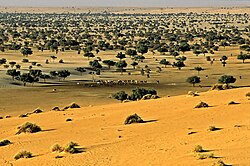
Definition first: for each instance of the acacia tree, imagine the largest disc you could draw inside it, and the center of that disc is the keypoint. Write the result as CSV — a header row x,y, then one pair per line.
x,y
44,77
243,57
26,51
198,69
63,74
120,96
226,79
193,80
164,62
13,73
120,65
95,64
109,63
80,69
178,64
223,60
134,64
121,56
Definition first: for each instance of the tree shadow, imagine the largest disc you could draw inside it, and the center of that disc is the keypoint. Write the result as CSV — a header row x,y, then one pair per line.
x,y
149,121
48,130
192,132
80,150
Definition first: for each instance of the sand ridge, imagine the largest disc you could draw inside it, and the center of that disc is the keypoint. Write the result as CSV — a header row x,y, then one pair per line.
x,y
163,141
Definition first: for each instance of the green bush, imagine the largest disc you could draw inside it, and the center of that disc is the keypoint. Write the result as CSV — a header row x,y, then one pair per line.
x,y
23,154
138,93
56,148
28,128
71,148
133,119
120,96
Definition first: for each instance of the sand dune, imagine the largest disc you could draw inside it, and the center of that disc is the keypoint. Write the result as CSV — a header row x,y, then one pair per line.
x,y
105,140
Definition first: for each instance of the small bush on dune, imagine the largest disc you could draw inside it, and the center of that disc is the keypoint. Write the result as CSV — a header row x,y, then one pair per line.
x,y
23,154
202,105
212,128
248,94
71,148
205,156
4,142
219,163
133,119
56,148
28,128
198,148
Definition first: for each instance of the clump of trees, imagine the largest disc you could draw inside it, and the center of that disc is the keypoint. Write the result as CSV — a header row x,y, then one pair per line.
x,y
136,94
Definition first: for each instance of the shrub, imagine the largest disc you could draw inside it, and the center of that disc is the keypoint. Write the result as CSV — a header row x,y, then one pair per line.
x,y
205,156
56,148
198,148
133,119
212,128
71,148
23,154
202,105
138,93
226,79
248,94
4,142
232,103
193,80
121,95
219,163
28,128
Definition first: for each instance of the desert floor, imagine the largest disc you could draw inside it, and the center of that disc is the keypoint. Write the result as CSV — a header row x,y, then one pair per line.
x,y
172,131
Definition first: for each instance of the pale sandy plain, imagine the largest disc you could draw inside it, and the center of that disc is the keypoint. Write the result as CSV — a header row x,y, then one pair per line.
x,y
165,141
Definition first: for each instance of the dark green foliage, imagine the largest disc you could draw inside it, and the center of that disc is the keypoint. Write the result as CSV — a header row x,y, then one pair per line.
x,y
89,55
95,64
120,96
13,73
134,64
109,63
193,80
131,52
4,142
28,128
164,62
138,93
133,119
120,65
3,61
80,69
44,77
139,58
141,48
120,55
23,154
26,51
227,79
63,74
25,60
178,64
243,57
198,69
26,77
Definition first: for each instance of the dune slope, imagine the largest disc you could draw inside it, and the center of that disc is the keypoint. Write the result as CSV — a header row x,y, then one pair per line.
x,y
172,131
